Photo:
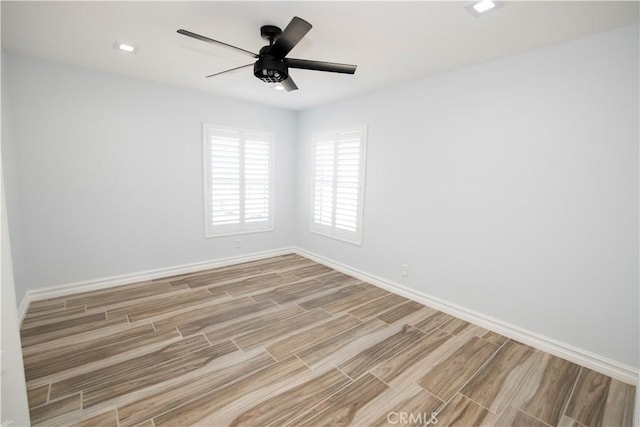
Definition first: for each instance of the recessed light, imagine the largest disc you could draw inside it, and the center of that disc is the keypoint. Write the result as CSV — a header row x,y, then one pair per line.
x,y
482,6
125,47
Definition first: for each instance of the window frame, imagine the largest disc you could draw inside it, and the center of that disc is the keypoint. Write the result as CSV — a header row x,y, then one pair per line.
x,y
332,231
209,230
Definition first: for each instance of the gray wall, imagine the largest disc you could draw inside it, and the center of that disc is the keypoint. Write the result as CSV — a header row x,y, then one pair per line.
x,y
510,188
110,173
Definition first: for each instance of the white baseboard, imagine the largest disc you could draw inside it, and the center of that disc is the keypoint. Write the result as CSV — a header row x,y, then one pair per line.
x,y
23,307
580,356
622,372
126,279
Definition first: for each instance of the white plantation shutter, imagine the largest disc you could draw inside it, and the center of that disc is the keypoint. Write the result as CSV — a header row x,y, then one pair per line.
x,y
239,180
338,184
224,178
257,181
324,154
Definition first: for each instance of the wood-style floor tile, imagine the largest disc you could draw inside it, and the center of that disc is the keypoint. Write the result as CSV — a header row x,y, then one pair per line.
x,y
56,331
105,297
56,408
202,313
400,312
45,305
291,345
51,316
291,404
412,406
326,299
436,320
546,389
158,373
618,409
405,360
374,355
252,284
515,417
462,412
127,369
38,395
343,407
307,271
103,419
165,304
247,324
353,301
498,381
200,325
495,338
569,422
324,349
337,277
456,326
221,275
232,273
294,291
267,334
202,406
286,341
598,400
172,397
39,330
72,356
446,378
377,306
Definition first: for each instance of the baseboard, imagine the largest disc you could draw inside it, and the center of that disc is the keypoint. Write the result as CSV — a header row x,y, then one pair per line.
x,y
126,279
23,307
622,372
583,357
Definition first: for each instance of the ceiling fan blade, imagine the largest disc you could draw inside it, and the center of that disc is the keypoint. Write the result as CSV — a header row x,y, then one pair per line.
x,y
228,71
331,67
289,84
212,41
290,37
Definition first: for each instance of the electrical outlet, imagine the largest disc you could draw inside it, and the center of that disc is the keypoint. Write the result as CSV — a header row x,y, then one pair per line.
x,y
238,243
404,270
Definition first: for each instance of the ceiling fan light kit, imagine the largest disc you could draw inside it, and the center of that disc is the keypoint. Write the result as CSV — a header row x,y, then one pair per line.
x,y
270,70
272,65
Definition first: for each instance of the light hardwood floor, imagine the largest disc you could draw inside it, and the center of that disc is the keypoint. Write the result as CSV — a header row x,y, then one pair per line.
x,y
286,341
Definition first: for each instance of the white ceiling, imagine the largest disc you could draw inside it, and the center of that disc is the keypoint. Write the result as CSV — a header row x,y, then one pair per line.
x,y
391,42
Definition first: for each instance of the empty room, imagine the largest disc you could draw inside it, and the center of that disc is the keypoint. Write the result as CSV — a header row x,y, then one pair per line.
x,y
320,213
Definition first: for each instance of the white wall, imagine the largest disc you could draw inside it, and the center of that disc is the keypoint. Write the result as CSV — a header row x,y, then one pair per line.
x,y
13,390
14,409
11,184
110,173
510,188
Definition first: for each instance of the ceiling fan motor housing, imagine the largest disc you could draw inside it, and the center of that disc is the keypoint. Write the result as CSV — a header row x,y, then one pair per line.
x,y
270,70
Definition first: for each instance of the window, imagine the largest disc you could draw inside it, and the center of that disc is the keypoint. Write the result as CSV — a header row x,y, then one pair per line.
x,y
238,168
338,166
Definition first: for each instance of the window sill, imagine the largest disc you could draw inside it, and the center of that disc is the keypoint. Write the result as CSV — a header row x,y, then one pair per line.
x,y
341,239
208,235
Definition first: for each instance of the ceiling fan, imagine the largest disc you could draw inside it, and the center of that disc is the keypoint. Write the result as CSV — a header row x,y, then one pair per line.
x,y
272,65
